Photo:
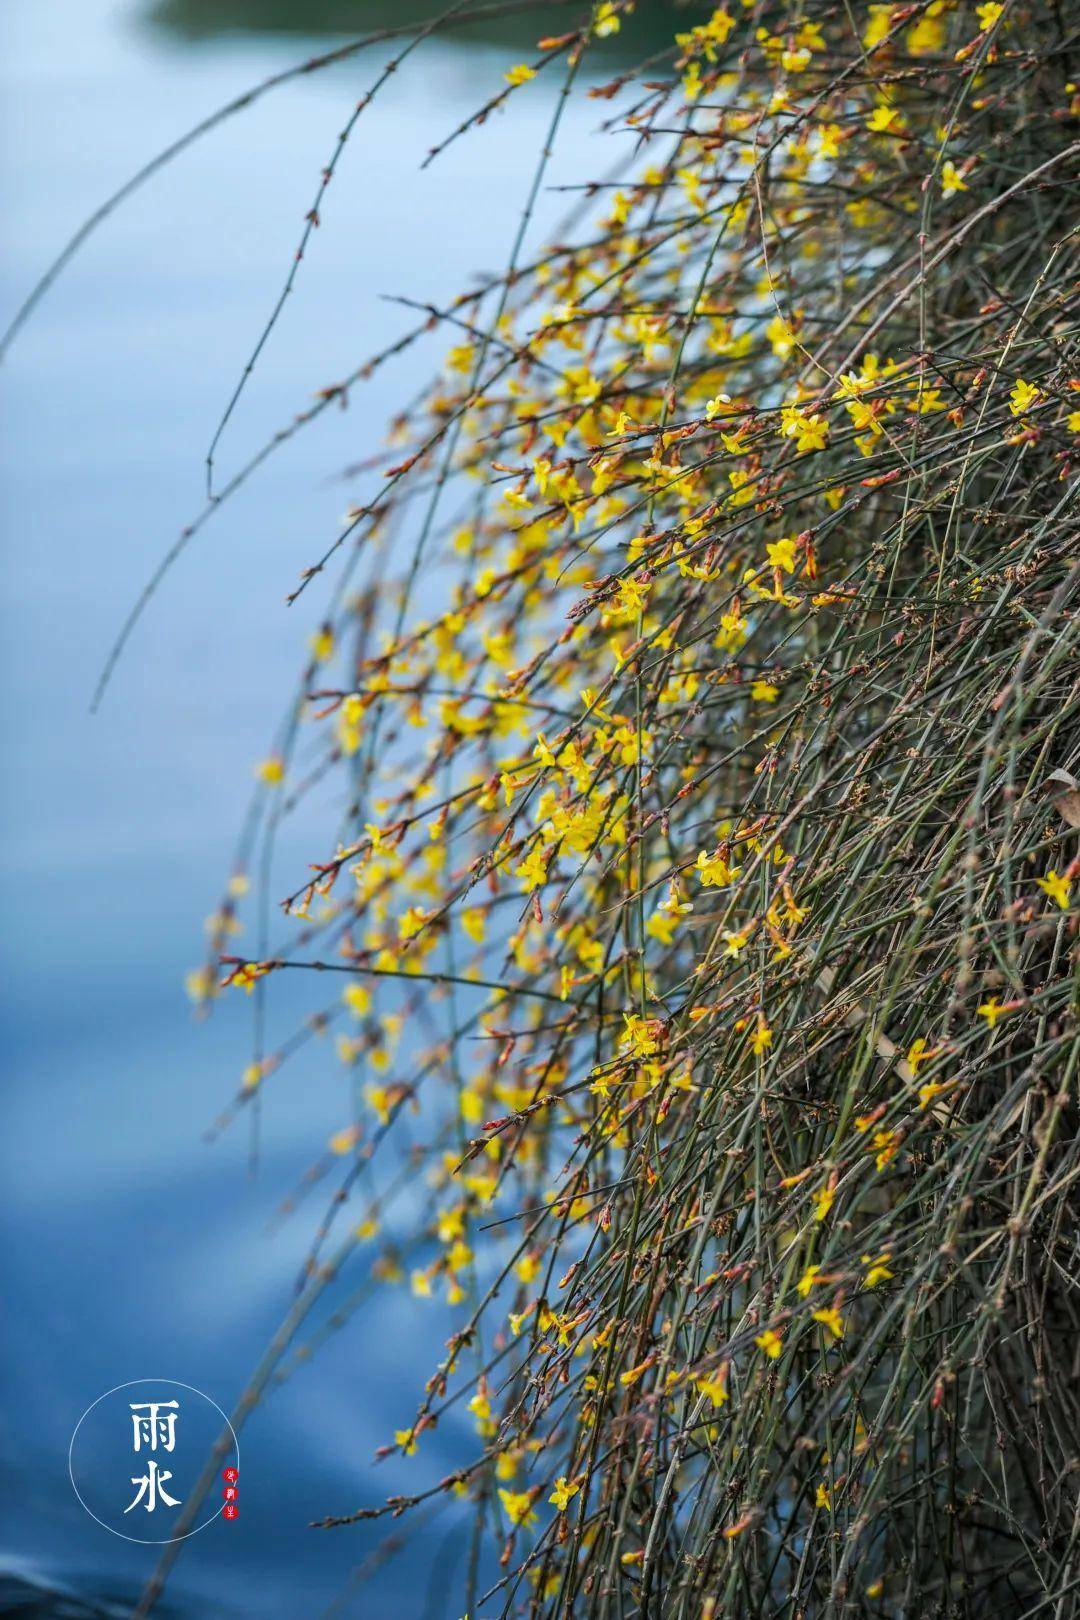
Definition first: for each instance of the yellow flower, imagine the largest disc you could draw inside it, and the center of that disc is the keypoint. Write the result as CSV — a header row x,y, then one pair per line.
x,y
1023,396
638,1036
713,871
201,984
991,1010
885,1144
810,432
780,336
245,976
988,14
823,1202
533,870
480,1406
606,21
830,1318
770,1342
951,178
734,941
743,486
378,1099
714,1386
1058,888
527,1268
633,1375
357,998
562,1493
812,435
521,74
633,594
932,1089
782,554
920,1052
877,1269
807,1280
472,924
518,1505
661,925
271,771
691,82
884,118
761,1039
878,26
406,1439
377,837
928,34
471,1106
822,1499
411,922
764,692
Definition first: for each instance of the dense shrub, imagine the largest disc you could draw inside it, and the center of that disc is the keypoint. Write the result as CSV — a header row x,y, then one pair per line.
x,y
703,683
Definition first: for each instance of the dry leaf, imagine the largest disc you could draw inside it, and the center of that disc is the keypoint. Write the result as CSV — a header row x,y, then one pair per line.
x,y
1066,796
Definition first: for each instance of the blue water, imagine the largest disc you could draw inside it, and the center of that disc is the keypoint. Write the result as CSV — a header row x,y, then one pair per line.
x,y
130,1248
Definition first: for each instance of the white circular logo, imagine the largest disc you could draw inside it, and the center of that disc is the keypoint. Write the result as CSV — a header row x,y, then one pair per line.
x,y
138,1451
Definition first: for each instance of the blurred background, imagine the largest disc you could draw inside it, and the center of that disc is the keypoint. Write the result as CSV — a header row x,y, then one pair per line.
x,y
131,1249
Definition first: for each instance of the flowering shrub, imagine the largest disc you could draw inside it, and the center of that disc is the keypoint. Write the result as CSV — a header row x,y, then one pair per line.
x,y
704,683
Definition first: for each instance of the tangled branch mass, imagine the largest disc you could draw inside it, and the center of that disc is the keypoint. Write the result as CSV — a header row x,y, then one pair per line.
x,y
700,900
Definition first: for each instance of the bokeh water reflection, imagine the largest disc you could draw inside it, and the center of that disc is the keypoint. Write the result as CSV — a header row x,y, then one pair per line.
x,y
131,1250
